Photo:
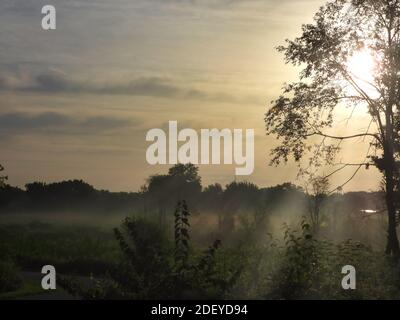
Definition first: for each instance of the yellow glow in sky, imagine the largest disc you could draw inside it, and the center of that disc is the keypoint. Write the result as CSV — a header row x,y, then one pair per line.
x,y
362,67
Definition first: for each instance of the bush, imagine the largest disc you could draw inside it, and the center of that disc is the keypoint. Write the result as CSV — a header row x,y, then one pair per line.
x,y
311,269
154,268
10,279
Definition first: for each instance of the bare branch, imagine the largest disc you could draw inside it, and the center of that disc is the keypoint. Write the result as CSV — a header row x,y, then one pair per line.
x,y
348,181
345,137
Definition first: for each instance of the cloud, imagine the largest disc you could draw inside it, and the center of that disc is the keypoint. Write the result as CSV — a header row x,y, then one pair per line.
x,y
21,7
211,3
53,82
56,82
19,123
153,86
3,84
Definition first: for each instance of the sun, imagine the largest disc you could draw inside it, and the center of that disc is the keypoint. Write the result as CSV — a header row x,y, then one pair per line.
x,y
362,67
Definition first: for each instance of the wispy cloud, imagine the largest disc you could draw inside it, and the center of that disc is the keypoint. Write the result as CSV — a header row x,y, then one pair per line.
x,y
19,123
58,82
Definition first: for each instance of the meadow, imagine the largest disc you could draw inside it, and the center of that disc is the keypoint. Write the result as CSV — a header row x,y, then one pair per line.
x,y
175,239
140,260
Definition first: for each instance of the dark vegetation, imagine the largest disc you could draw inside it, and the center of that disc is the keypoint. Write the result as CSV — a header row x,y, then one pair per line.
x,y
234,242
158,198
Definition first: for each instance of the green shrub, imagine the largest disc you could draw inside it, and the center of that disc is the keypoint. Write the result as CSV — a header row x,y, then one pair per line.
x,y
155,268
311,269
10,279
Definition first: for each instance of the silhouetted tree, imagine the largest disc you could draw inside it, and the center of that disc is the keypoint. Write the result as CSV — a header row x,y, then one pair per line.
x,y
2,178
187,171
212,199
158,190
237,196
316,197
306,108
65,194
283,196
181,182
212,195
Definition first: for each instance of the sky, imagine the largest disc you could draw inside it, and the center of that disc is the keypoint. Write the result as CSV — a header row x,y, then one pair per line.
x,y
77,102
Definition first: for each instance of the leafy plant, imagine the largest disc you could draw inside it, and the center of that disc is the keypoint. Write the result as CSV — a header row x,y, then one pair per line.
x,y
182,237
311,269
9,277
154,268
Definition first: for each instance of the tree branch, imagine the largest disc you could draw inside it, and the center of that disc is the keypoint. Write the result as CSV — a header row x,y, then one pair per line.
x,y
345,137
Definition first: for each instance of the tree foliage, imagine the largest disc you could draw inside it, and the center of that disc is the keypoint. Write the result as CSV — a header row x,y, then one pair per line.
x,y
307,108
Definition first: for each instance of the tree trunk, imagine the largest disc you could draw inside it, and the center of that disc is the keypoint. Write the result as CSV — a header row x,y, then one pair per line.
x,y
390,163
393,242
392,247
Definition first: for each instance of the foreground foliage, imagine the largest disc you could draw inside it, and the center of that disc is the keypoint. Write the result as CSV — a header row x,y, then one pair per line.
x,y
155,268
141,261
9,277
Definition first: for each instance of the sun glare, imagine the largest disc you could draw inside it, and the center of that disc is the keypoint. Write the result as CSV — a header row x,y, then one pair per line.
x,y
362,66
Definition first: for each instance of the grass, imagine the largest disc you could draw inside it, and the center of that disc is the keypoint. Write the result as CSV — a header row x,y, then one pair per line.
x,y
29,288
71,249
297,267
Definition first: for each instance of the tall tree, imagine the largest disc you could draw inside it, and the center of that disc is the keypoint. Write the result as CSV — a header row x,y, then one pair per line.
x,y
316,196
181,183
342,31
188,171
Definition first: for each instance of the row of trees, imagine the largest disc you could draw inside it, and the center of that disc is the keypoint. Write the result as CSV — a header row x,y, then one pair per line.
x,y
158,197
182,182
71,195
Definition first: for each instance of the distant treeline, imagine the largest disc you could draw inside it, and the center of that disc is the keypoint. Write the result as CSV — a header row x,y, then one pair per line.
x,y
72,195
161,192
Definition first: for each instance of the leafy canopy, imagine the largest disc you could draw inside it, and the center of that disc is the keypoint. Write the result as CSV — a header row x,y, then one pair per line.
x,y
341,29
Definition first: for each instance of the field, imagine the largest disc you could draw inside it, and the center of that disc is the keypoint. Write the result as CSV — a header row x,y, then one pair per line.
x,y
251,263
